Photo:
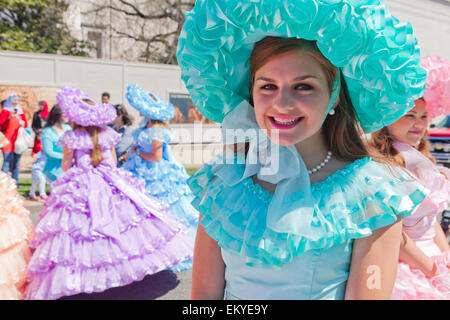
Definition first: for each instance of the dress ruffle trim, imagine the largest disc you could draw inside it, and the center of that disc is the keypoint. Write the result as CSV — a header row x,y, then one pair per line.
x,y
165,180
412,284
144,136
13,266
80,140
350,204
16,229
68,279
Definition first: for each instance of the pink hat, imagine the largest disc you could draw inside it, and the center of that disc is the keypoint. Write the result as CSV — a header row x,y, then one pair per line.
x,y
437,90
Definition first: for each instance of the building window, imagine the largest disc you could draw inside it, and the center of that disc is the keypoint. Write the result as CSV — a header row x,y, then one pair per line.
x,y
96,38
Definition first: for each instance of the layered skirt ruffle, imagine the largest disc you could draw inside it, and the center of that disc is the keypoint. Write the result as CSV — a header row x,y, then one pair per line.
x,y
100,230
413,284
16,229
167,181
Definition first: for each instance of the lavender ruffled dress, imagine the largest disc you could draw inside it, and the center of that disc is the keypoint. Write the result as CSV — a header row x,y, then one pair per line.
x,y
99,229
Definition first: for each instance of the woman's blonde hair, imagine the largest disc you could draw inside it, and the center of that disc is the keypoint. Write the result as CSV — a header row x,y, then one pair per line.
x,y
341,130
159,123
383,143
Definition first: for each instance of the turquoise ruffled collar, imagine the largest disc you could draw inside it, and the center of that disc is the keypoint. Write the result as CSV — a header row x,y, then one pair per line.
x,y
349,204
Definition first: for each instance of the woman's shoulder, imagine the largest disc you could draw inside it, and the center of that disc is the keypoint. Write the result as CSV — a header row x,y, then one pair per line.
x,y
162,134
48,131
80,139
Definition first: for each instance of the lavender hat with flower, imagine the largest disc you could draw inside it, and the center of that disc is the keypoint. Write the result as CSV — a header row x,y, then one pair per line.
x,y
149,104
83,110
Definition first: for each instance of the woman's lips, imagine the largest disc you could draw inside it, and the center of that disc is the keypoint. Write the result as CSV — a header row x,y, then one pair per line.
x,y
417,132
284,122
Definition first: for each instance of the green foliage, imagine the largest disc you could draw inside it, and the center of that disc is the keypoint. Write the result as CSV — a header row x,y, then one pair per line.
x,y
37,26
191,171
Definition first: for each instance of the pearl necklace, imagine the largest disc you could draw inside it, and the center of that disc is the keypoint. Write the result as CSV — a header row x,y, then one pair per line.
x,y
321,165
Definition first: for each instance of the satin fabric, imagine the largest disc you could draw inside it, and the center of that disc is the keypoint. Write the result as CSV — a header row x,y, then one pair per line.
x,y
420,227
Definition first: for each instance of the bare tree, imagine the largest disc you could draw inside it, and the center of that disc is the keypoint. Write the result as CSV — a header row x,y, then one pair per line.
x,y
150,27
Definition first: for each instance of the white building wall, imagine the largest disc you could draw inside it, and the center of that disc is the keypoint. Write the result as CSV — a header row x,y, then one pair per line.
x,y
94,76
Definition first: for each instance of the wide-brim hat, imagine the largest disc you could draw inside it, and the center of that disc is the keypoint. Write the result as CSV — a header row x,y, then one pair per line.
x,y
149,104
378,56
83,110
437,91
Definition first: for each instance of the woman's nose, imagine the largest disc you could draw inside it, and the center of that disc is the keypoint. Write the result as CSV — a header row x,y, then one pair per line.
x,y
284,99
421,122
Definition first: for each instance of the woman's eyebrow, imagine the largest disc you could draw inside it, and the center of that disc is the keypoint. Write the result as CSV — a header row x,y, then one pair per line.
x,y
295,79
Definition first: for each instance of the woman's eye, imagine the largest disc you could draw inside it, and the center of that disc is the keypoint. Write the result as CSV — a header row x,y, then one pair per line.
x,y
410,116
303,86
268,86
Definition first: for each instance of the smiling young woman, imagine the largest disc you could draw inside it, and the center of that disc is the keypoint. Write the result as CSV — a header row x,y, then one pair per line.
x,y
291,84
411,129
296,232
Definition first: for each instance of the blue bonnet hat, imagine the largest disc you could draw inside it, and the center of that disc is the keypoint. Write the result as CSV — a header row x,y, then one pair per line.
x,y
149,104
378,56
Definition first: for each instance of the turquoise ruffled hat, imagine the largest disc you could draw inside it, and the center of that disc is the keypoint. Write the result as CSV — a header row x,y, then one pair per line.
x,y
378,56
154,108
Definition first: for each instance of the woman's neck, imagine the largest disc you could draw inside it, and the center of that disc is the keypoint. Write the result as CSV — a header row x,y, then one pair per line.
x,y
313,150
119,125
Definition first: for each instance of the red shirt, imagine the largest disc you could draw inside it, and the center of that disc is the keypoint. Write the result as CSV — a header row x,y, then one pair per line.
x,y
10,128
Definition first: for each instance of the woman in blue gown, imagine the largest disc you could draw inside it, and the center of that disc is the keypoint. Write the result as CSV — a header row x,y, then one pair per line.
x,y
152,160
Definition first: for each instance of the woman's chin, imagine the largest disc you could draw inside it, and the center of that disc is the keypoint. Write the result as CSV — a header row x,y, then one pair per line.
x,y
283,140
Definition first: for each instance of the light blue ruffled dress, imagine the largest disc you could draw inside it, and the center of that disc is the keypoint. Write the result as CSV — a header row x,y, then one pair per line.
x,y
165,180
53,152
263,264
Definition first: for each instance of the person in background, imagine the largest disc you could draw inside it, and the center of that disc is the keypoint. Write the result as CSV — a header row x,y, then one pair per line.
x,y
151,158
423,269
55,128
122,124
98,228
38,177
106,97
38,124
305,211
12,118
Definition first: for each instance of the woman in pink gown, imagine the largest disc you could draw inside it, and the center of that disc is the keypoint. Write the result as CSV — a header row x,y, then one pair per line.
x,y
423,270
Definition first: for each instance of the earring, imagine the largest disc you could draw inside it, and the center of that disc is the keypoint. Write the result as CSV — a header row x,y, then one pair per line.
x,y
332,112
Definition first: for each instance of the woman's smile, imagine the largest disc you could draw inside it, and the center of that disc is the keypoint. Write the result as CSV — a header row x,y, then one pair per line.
x,y
284,122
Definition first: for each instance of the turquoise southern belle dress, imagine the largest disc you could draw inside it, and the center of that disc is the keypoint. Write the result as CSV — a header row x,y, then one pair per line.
x,y
264,264
165,179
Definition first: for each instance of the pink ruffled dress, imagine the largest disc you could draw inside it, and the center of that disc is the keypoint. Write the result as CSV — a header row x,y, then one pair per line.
x,y
16,230
99,229
419,226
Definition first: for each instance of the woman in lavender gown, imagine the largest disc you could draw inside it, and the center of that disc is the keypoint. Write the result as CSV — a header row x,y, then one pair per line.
x,y
99,229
